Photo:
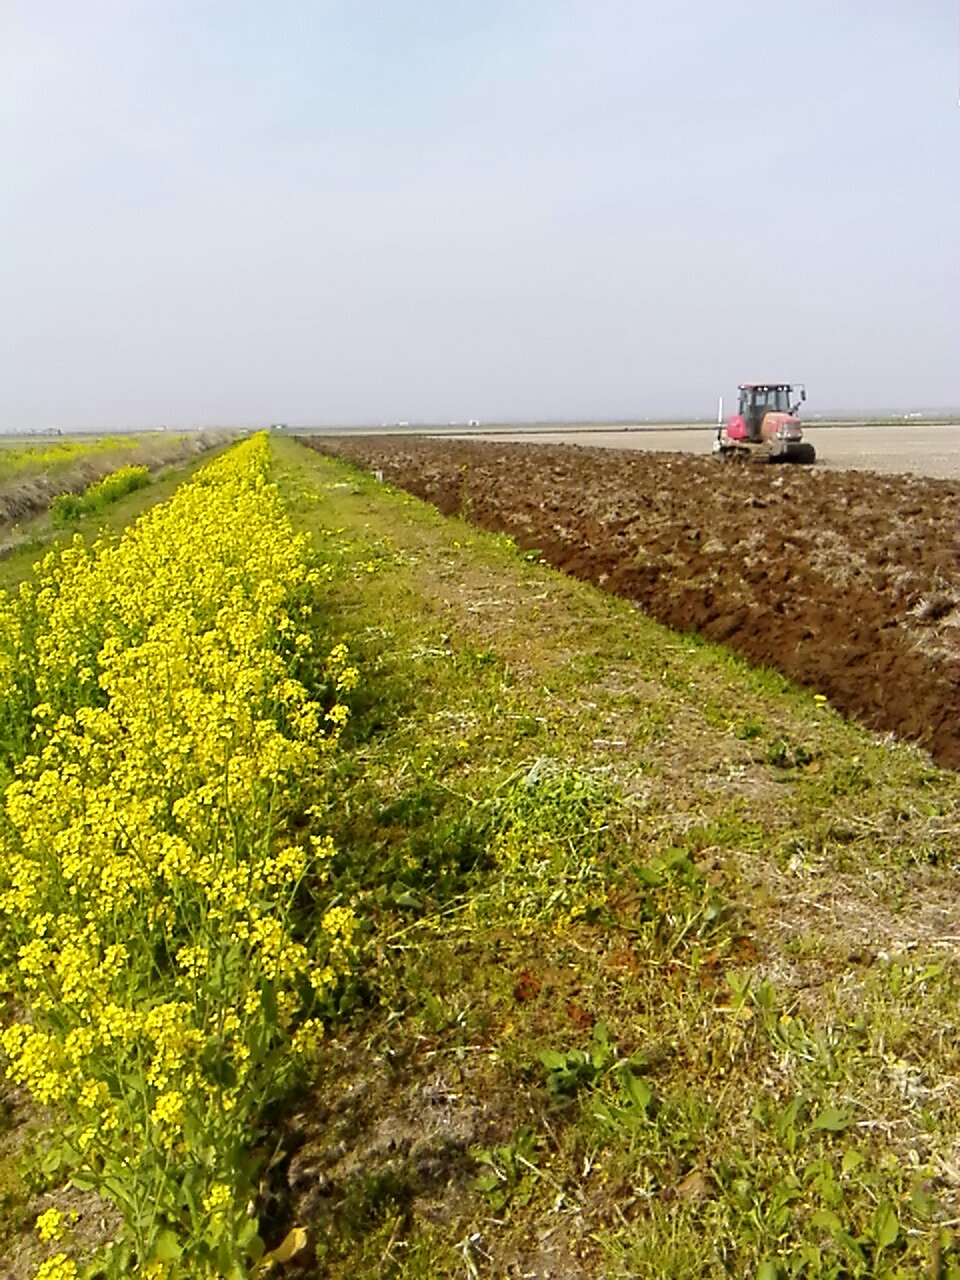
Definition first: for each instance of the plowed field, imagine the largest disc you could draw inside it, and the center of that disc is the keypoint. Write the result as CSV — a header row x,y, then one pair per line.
x,y
848,582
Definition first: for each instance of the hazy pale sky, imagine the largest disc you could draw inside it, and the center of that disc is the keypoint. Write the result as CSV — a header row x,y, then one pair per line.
x,y
360,210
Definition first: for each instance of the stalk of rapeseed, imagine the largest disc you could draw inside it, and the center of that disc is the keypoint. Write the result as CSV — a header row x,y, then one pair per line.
x,y
147,889
70,506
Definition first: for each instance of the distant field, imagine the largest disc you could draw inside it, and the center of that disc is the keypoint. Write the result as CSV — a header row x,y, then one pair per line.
x,y
925,449
20,458
893,450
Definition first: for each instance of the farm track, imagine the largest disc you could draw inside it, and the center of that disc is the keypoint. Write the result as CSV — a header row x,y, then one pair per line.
x,y
847,582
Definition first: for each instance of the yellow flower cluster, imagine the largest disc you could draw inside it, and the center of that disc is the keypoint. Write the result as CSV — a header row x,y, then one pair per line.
x,y
35,457
70,506
59,1267
169,702
50,1225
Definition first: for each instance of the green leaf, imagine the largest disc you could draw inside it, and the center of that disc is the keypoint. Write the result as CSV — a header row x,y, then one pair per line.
x,y
552,1060
832,1224
166,1248
768,1271
268,1001
650,875
922,1203
812,1255
404,897
827,1221
852,1247
637,1091
851,1162
833,1120
249,1240
885,1226
602,1112
190,1198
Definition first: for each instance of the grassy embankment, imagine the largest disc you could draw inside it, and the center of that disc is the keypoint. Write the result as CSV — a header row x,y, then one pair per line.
x,y
665,974
42,533
660,972
50,456
33,476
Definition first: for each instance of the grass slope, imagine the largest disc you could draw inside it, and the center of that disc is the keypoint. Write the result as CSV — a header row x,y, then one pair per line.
x,y
661,976
33,476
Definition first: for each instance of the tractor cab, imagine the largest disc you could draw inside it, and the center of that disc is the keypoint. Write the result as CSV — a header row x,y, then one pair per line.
x,y
765,427
757,399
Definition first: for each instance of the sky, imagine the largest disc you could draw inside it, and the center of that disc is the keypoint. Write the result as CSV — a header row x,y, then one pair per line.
x,y
352,211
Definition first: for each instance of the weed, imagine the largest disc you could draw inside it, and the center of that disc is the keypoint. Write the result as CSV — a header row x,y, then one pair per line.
x,y
509,1172
550,826
747,730
673,904
566,1071
786,755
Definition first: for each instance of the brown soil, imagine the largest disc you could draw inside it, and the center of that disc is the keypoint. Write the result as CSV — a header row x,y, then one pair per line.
x,y
847,582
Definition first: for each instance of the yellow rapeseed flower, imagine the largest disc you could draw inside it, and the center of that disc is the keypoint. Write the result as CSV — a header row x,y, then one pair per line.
x,y
50,1224
145,881
59,1267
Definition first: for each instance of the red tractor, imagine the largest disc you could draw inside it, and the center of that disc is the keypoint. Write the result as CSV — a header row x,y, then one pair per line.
x,y
766,427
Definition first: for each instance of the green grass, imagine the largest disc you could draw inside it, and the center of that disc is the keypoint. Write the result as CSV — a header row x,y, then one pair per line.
x,y
662,919
660,973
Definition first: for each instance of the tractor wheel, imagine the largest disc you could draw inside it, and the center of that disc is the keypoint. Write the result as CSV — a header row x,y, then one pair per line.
x,y
805,454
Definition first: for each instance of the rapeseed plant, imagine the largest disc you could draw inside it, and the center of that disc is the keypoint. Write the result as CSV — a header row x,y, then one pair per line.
x,y
66,507
163,701
30,457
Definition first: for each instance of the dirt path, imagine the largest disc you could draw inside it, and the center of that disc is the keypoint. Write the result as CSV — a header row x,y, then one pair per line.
x,y
847,582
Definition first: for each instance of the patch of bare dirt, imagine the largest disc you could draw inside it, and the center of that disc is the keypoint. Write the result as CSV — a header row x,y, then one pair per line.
x,y
393,1131
847,582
